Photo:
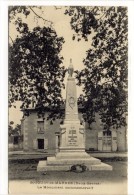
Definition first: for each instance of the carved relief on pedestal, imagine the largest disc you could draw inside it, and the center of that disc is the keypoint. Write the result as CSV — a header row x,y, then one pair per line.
x,y
71,102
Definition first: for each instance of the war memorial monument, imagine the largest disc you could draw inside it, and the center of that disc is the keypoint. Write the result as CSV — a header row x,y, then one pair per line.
x,y
72,138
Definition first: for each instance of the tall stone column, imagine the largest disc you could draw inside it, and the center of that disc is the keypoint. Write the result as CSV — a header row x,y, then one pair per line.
x,y
71,108
72,133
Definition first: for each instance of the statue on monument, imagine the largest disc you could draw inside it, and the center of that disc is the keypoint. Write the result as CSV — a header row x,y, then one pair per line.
x,y
70,69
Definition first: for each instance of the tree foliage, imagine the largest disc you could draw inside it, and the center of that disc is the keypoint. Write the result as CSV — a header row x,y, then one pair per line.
x,y
104,77
14,130
35,66
17,14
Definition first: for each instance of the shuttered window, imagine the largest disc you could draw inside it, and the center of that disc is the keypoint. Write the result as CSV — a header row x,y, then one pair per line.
x,y
40,126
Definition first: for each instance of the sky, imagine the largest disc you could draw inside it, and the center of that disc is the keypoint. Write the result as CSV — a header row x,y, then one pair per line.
x,y
71,49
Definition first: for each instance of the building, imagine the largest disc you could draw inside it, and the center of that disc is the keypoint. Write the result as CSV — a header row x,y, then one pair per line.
x,y
15,141
41,136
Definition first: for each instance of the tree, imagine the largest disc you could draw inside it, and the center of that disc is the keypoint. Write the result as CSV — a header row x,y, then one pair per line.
x,y
104,78
17,14
35,71
14,130
10,128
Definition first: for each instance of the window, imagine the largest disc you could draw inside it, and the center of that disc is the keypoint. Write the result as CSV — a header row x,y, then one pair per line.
x,y
16,140
40,143
106,133
40,126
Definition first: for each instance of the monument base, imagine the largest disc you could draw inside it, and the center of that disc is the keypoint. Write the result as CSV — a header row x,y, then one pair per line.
x,y
64,162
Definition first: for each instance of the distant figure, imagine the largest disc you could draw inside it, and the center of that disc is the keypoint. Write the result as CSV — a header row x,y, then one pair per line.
x,y
70,69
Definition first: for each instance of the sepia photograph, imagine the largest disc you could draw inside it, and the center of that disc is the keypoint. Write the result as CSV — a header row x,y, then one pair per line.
x,y
68,99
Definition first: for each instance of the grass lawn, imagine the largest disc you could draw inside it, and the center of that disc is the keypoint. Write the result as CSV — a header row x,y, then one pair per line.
x,y
26,170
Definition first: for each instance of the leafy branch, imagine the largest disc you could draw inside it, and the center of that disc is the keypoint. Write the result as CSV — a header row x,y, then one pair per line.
x,y
40,16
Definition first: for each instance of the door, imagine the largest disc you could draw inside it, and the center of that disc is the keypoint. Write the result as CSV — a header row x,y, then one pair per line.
x,y
40,143
107,141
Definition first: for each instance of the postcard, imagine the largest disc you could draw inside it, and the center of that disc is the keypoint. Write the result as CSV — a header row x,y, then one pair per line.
x,y
68,99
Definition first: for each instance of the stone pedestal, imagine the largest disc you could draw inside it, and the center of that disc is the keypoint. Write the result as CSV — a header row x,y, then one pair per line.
x,y
72,138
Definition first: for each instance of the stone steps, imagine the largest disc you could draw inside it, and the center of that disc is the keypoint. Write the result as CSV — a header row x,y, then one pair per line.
x,y
43,167
52,161
72,155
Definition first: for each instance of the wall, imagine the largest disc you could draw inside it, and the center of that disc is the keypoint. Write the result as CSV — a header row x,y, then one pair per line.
x,y
50,133
31,134
91,140
92,134
121,140
30,131
29,126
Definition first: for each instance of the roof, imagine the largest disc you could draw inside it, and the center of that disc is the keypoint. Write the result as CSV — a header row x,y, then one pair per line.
x,y
62,107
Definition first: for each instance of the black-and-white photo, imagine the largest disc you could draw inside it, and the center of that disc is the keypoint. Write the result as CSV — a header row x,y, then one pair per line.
x,y
68,83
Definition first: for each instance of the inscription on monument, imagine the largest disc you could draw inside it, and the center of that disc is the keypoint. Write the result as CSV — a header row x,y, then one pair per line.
x,y
72,137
